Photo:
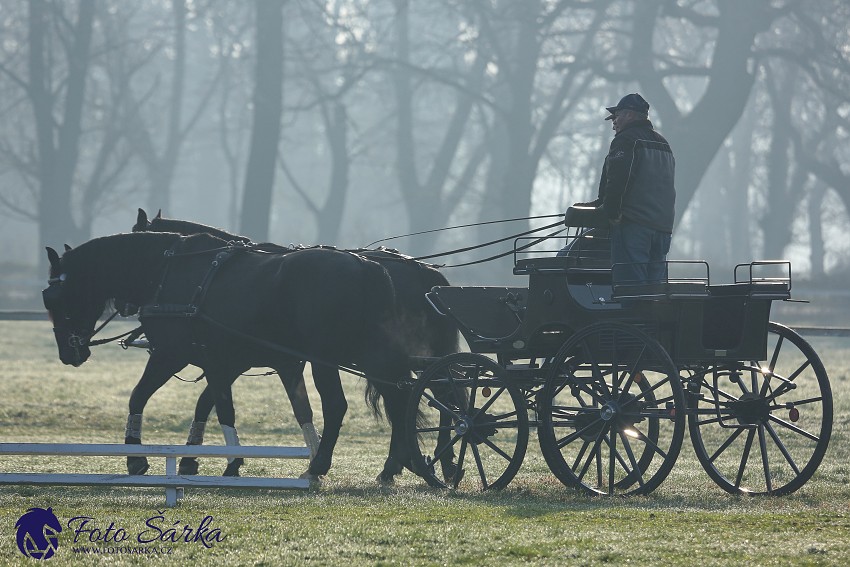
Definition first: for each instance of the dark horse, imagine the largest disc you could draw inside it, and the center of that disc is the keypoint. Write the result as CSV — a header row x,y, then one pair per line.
x,y
227,308
421,330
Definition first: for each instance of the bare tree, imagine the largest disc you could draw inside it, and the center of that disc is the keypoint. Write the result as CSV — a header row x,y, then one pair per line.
x,y
265,132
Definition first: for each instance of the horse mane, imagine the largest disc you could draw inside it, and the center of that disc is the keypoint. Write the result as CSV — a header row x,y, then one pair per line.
x,y
187,228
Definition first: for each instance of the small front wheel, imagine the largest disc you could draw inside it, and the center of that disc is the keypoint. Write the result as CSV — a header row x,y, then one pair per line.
x,y
463,414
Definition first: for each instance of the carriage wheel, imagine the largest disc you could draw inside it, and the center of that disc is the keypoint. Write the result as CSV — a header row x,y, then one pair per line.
x,y
463,414
762,427
611,411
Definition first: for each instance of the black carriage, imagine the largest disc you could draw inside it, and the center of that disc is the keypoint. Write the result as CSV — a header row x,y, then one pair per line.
x,y
612,375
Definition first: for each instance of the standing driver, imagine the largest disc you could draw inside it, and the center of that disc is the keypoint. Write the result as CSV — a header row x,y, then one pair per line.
x,y
637,194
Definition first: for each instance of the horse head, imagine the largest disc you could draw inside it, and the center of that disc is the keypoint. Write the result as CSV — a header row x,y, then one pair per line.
x,y
71,309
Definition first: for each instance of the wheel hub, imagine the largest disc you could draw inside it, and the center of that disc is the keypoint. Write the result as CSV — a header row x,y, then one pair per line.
x,y
750,409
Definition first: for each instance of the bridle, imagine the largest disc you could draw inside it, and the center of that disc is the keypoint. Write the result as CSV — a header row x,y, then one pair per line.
x,y
51,296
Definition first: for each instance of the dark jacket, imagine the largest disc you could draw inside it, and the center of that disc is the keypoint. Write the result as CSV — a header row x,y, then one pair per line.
x,y
637,178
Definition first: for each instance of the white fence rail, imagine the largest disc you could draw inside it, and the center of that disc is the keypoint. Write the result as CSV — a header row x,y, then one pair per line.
x,y
171,481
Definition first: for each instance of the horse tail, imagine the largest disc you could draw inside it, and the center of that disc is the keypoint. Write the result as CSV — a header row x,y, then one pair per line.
x,y
443,336
378,307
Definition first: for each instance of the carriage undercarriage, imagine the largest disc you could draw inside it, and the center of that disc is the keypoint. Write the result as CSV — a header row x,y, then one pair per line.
x,y
612,376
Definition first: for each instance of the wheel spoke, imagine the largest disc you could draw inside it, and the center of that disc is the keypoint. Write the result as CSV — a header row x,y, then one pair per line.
x,y
794,428
781,446
580,455
764,459
596,372
576,434
744,458
441,451
640,436
493,446
459,468
593,453
480,465
489,403
439,405
612,451
772,365
787,382
726,444
474,388
630,454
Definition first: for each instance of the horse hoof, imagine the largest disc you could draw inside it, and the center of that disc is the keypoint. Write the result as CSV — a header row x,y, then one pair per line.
x,y
137,465
233,468
188,466
315,479
453,474
385,479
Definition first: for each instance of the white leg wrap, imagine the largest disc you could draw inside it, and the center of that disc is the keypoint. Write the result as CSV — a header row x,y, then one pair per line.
x,y
311,438
134,426
196,433
230,437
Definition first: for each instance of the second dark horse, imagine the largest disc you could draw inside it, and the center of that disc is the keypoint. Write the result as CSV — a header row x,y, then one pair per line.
x,y
421,331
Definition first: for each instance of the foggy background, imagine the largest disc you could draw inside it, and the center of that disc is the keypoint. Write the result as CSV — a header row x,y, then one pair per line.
x,y
343,122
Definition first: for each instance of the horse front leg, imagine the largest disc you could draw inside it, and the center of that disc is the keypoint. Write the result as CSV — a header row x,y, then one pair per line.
x,y
159,369
292,378
203,407
334,406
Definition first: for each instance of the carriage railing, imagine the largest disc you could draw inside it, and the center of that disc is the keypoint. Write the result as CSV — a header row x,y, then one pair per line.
x,y
579,249
765,278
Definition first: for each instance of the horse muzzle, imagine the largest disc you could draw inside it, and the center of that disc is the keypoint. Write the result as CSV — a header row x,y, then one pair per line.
x,y
73,348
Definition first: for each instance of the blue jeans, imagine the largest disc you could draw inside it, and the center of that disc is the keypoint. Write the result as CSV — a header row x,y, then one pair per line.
x,y
641,250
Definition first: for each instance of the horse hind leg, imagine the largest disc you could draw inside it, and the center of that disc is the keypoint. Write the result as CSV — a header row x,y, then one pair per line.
x,y
231,438
220,387
292,378
334,408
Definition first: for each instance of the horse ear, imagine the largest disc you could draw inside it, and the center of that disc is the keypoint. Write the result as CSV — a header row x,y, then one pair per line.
x,y
53,257
159,214
67,248
141,218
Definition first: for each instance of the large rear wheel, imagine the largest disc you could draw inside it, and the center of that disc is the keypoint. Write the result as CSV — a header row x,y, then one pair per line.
x,y
762,427
612,419
463,414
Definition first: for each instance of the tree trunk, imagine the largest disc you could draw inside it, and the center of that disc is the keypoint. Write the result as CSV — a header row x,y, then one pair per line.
x,y
697,136
330,215
265,132
817,248
163,171
58,142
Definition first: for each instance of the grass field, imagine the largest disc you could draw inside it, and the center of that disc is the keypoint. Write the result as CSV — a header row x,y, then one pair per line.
x,y
349,519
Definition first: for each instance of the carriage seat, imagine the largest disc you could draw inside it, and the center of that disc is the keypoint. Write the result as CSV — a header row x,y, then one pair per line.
x,y
757,290
672,289
562,265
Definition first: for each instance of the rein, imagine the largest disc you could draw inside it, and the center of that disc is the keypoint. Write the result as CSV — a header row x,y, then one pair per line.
x,y
461,226
490,243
